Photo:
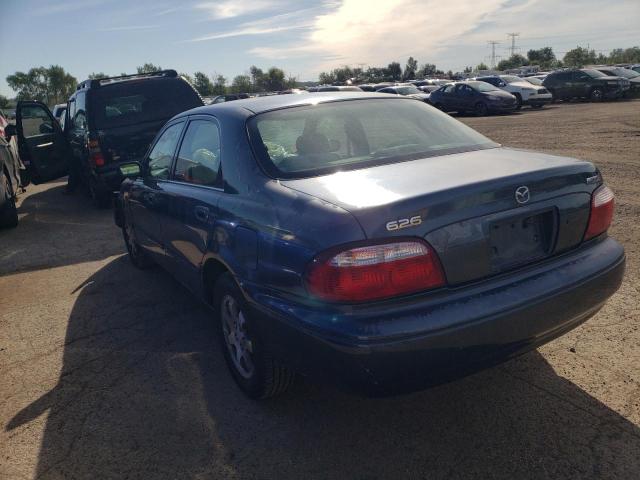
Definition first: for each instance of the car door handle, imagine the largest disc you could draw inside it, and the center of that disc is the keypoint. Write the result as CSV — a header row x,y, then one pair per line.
x,y
201,213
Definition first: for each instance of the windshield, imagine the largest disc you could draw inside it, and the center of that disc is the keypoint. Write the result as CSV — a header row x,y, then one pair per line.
x,y
625,72
593,73
409,90
321,139
482,86
534,81
133,102
510,78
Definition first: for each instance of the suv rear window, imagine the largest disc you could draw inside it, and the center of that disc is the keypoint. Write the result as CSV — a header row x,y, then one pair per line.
x,y
321,139
138,101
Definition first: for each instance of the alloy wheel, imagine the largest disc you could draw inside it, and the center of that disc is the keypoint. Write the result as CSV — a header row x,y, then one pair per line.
x,y
236,337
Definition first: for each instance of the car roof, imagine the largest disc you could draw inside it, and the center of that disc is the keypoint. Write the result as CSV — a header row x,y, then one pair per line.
x,y
257,105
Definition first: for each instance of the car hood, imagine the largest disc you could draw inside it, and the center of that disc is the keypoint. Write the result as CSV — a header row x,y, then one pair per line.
x,y
462,182
498,93
419,96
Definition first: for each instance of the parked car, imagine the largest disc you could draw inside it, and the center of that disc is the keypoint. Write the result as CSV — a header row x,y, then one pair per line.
x,y
9,184
406,90
584,83
635,68
521,89
228,98
480,98
367,87
58,111
339,88
368,239
533,81
632,76
108,122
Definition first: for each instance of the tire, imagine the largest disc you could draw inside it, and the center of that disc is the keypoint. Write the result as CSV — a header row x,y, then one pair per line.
x,y
481,109
137,255
596,95
537,105
255,371
8,211
554,99
99,198
518,100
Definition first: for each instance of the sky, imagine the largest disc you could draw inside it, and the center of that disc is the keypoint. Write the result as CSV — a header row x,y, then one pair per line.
x,y
303,37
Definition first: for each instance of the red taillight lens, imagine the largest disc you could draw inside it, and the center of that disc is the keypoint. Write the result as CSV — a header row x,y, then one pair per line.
x,y
95,154
375,272
602,205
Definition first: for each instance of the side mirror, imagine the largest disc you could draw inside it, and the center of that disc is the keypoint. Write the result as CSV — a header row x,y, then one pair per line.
x,y
502,84
10,131
130,170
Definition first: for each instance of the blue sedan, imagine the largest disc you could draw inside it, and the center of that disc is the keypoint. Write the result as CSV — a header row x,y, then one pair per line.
x,y
368,239
480,98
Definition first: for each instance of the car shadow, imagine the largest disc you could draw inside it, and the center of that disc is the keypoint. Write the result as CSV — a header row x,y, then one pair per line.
x,y
144,393
51,228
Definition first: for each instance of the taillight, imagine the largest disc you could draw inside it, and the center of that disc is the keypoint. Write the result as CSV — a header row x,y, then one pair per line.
x,y
602,204
95,154
374,272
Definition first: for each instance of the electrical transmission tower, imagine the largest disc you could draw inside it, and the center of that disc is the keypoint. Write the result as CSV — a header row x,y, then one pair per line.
x,y
493,44
513,42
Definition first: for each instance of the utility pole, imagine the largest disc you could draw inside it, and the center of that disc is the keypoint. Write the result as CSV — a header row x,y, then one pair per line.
x,y
513,42
493,44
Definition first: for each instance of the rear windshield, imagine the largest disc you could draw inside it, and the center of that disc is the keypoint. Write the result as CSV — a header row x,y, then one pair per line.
x,y
409,90
321,139
133,102
482,86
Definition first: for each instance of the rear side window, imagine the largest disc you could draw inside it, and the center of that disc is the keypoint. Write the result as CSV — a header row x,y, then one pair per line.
x,y
315,140
199,157
137,101
162,152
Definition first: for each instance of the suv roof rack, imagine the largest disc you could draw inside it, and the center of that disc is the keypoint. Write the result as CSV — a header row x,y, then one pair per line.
x,y
97,82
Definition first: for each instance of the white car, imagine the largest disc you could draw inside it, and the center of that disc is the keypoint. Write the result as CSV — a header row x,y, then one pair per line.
x,y
525,92
59,111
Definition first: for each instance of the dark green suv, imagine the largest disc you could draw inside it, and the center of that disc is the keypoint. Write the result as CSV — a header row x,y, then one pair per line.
x,y
585,83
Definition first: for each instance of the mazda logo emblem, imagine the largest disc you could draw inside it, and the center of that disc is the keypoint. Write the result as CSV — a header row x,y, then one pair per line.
x,y
522,195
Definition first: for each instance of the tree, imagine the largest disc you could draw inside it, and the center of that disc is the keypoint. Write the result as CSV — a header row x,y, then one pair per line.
x,y
482,66
241,84
579,57
50,85
95,76
514,61
275,80
427,70
394,71
4,101
326,78
468,69
203,85
542,56
148,68
257,78
410,69
219,86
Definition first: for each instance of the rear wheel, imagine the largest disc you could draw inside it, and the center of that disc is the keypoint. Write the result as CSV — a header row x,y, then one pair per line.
x,y
597,94
537,105
518,100
481,109
138,256
8,210
255,371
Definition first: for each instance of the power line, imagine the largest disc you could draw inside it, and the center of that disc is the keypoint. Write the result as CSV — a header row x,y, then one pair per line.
x,y
493,44
513,42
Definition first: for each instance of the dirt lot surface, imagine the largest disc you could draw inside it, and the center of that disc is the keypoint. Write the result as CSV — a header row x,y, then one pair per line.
x,y
110,372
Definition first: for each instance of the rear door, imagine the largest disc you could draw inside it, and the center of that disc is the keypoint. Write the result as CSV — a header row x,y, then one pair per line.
x,y
42,145
580,83
194,191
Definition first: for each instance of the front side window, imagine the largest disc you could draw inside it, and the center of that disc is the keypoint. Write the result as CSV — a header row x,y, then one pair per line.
x,y
35,121
199,157
162,152
315,140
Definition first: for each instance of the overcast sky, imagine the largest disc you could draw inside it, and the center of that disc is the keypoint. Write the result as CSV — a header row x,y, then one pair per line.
x,y
302,37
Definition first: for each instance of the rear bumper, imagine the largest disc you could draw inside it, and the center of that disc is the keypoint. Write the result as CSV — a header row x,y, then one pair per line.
x,y
497,107
109,178
435,338
539,99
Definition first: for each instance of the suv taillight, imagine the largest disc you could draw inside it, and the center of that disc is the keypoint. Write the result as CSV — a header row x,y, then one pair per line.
x,y
95,153
602,204
374,272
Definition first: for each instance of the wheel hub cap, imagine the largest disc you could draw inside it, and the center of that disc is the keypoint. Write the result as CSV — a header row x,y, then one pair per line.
x,y
236,337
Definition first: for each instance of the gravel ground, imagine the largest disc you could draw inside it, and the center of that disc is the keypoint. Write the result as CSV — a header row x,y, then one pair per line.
x,y
109,372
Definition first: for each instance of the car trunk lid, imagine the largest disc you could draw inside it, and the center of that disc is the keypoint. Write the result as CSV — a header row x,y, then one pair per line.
x,y
465,205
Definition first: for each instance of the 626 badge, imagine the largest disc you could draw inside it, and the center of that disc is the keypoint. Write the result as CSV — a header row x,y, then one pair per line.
x,y
404,223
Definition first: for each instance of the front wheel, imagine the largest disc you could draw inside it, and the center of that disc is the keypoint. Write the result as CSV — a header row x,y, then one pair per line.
x,y
8,210
255,371
537,105
597,95
481,109
518,101
138,256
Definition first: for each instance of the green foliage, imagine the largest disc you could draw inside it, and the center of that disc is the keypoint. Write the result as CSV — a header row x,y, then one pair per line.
x,y
427,70
148,68
482,66
241,84
4,102
50,85
468,69
203,85
95,76
410,69
395,71
579,57
514,61
219,86
543,57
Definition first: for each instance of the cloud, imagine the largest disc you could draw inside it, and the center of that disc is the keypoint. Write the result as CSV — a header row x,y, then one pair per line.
x,y
128,27
62,7
235,8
